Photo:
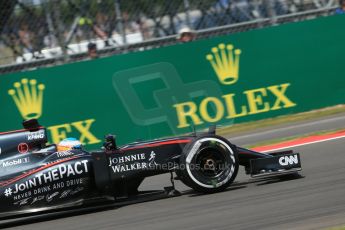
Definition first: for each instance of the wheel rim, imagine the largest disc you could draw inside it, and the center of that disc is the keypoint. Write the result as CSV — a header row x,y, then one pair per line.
x,y
214,153
211,162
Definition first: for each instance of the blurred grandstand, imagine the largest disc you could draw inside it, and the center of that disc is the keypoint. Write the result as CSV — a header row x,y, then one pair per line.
x,y
36,33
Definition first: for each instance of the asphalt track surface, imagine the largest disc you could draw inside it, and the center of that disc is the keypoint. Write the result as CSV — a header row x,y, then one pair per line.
x,y
314,201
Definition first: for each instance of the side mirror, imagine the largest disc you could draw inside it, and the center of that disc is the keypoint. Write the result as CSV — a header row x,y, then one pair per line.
x,y
110,143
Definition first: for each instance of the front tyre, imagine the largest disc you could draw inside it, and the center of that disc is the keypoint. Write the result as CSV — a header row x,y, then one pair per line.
x,y
208,164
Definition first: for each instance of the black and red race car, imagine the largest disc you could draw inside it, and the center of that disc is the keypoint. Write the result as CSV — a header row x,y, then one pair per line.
x,y
36,178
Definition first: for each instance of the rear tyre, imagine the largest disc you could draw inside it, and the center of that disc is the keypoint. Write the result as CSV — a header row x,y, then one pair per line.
x,y
208,164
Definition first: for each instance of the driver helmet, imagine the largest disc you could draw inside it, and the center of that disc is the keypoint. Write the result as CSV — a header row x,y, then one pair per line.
x,y
69,144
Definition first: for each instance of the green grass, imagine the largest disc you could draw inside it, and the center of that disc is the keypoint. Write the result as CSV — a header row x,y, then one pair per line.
x,y
250,126
280,140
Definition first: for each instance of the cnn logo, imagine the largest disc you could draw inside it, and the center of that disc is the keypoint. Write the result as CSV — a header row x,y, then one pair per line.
x,y
288,160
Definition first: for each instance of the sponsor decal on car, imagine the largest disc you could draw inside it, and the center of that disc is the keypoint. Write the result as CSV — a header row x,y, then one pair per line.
x,y
64,154
65,193
70,192
23,148
22,202
36,199
36,135
152,162
14,162
288,160
50,197
132,162
39,184
124,159
48,193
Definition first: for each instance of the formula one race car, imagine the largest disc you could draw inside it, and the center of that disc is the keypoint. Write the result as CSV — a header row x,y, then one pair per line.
x,y
36,178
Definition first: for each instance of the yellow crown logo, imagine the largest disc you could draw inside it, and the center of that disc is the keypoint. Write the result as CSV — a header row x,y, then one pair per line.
x,y
225,62
28,97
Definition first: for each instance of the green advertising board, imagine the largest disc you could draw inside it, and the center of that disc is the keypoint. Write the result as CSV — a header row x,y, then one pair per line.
x,y
167,91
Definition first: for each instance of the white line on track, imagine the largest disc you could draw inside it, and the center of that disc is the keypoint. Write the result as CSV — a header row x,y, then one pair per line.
x,y
302,144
